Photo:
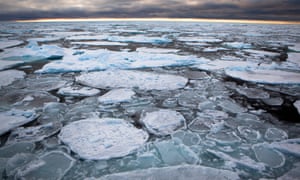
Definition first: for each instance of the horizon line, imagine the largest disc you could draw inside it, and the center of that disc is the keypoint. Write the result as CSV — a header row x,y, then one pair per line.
x,y
161,20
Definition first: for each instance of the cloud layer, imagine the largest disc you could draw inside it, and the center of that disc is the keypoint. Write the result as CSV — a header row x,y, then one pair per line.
x,y
227,9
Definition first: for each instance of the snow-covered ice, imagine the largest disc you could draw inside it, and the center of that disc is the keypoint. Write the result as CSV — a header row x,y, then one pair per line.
x,y
5,43
101,139
116,96
78,91
132,79
140,39
15,118
264,76
9,76
162,122
99,43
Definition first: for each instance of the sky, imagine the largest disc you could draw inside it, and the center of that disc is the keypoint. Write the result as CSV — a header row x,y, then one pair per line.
x,y
287,10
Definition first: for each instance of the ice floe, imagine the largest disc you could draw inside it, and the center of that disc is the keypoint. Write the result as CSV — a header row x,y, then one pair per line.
x,y
9,151
9,64
275,134
162,122
140,39
5,43
261,53
116,96
156,50
292,174
200,39
102,138
249,133
188,172
294,58
275,101
34,52
9,76
78,91
222,65
237,45
289,146
87,37
99,43
224,137
264,76
131,79
271,157
15,118
54,163
297,106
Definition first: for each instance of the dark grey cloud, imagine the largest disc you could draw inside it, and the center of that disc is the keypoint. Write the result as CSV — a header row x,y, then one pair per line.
x,y
233,9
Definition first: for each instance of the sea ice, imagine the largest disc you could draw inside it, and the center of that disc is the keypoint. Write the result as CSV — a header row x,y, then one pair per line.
x,y
33,134
9,76
162,122
102,139
237,45
289,146
252,93
249,133
5,43
99,43
55,164
78,91
87,37
9,151
34,52
116,96
264,76
44,39
271,157
232,107
186,137
261,53
294,58
206,123
275,134
140,39
200,39
187,172
156,50
297,106
175,154
292,174
222,65
9,64
131,79
295,47
18,161
276,101
224,137
47,83
15,118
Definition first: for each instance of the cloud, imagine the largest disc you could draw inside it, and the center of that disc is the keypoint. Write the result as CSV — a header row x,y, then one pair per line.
x,y
236,9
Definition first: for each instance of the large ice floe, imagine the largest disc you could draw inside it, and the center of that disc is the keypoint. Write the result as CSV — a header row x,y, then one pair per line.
x,y
116,96
132,79
102,138
188,172
162,122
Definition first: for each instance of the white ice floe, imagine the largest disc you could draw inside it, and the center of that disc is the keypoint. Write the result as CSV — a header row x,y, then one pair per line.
x,y
213,49
156,50
15,118
99,43
9,76
101,139
221,65
265,76
87,37
33,52
187,172
249,133
90,60
132,79
297,106
9,64
116,96
200,39
237,45
295,47
55,164
261,53
78,91
269,156
5,43
275,134
140,39
294,58
162,122
44,39
224,138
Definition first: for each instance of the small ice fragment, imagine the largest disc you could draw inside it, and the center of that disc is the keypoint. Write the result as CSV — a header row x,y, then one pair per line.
x,y
117,96
249,133
101,139
271,157
276,101
275,134
175,154
9,76
253,93
162,122
232,107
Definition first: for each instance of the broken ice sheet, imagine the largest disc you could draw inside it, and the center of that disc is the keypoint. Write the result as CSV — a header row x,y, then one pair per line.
x,y
55,164
252,93
101,139
132,79
9,76
163,121
33,52
33,133
15,118
116,96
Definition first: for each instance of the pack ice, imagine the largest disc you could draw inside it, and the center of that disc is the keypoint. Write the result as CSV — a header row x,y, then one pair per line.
x,y
132,79
9,76
102,139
